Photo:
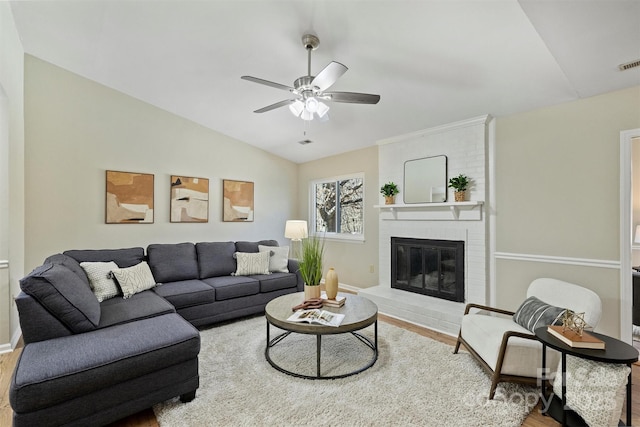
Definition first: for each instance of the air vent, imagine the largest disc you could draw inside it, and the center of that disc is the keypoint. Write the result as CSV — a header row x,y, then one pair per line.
x,y
305,142
629,65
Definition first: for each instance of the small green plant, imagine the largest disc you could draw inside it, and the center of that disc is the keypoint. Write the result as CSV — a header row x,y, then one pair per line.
x,y
311,262
389,189
459,183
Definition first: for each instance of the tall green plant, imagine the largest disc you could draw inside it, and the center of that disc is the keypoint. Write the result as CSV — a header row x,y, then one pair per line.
x,y
311,262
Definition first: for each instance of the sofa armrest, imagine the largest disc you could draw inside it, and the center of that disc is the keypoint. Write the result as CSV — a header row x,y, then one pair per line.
x,y
485,307
294,267
36,323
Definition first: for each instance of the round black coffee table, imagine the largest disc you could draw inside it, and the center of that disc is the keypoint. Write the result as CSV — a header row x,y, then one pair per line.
x,y
359,313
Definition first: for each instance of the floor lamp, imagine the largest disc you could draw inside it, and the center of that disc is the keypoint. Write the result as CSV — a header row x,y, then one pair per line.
x,y
296,230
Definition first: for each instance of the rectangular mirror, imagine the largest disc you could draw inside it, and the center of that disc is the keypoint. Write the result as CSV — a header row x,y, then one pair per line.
x,y
425,180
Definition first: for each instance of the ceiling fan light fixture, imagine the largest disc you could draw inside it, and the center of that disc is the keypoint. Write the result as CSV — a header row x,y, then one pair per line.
x,y
323,109
306,115
311,104
297,108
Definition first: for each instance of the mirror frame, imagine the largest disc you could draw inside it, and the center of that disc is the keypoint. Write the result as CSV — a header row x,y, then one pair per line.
x,y
418,178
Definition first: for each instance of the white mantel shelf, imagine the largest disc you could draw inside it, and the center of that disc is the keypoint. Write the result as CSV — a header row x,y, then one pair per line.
x,y
458,211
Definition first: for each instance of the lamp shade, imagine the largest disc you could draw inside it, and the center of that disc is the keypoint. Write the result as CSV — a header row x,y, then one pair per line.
x,y
637,238
295,229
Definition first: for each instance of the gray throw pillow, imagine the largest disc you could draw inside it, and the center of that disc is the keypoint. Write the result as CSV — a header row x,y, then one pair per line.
x,y
534,313
64,295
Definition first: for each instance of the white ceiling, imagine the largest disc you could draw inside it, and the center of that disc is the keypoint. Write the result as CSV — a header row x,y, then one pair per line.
x,y
432,62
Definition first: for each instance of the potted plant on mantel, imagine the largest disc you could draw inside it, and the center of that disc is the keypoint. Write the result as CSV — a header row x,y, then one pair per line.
x,y
459,184
389,191
311,266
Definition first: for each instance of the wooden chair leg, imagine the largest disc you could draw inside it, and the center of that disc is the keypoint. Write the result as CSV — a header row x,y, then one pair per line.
x,y
495,379
455,351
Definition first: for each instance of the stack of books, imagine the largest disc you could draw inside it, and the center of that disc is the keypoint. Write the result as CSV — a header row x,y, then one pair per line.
x,y
586,340
337,302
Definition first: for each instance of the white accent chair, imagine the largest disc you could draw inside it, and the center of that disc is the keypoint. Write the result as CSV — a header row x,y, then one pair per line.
x,y
510,352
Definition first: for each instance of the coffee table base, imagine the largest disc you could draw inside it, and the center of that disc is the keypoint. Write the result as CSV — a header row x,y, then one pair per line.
x,y
371,345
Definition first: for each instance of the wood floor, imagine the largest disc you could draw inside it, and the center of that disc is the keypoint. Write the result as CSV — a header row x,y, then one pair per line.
x,y
147,419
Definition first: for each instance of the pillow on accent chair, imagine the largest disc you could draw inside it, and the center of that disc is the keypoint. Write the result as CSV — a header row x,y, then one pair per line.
x,y
101,279
252,263
134,279
279,258
534,313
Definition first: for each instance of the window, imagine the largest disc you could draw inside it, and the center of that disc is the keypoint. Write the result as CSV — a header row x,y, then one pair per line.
x,y
337,207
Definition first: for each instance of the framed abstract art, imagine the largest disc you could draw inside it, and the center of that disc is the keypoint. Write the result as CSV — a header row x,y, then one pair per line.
x,y
189,199
237,201
129,198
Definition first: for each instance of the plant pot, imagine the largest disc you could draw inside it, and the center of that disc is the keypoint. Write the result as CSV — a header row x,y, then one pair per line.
x,y
459,196
311,292
331,284
389,200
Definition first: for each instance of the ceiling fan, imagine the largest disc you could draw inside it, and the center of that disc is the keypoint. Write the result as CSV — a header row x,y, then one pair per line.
x,y
310,90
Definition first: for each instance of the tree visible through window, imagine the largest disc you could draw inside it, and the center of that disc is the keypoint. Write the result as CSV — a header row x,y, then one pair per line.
x,y
338,206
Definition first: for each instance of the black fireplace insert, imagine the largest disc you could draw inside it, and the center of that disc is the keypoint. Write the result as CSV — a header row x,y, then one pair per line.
x,y
429,267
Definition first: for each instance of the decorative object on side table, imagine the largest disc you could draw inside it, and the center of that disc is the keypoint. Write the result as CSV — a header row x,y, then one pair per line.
x,y
459,184
331,283
311,266
389,191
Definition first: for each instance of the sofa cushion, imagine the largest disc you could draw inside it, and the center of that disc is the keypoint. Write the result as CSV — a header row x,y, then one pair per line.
x,y
140,306
70,263
253,246
228,287
123,257
279,258
534,313
135,279
64,295
216,258
173,262
55,371
252,263
101,279
186,293
276,281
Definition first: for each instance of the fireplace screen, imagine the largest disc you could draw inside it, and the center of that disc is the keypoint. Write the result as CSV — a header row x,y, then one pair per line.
x,y
429,267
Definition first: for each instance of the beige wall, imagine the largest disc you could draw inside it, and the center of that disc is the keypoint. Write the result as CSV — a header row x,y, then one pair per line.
x,y
77,129
12,173
557,195
352,261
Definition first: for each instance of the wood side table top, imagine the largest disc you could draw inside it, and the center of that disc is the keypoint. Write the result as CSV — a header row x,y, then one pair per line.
x,y
359,313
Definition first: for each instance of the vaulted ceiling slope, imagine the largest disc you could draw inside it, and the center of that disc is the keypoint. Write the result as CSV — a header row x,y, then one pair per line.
x,y
432,62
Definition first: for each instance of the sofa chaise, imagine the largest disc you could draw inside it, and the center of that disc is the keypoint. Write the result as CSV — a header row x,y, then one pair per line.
x,y
91,357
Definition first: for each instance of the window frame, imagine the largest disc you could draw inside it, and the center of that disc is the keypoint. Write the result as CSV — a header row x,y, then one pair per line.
x,y
356,238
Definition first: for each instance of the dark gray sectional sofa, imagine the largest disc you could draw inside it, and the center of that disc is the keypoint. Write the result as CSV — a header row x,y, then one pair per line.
x,y
90,363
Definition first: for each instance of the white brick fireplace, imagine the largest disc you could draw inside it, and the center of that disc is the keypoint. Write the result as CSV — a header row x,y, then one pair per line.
x,y
466,146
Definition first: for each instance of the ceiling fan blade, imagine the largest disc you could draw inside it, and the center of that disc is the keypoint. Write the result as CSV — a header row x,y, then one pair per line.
x,y
276,105
329,75
267,83
351,97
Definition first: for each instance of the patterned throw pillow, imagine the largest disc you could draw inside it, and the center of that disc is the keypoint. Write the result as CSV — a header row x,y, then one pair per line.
x,y
595,390
134,279
534,313
279,260
101,279
252,263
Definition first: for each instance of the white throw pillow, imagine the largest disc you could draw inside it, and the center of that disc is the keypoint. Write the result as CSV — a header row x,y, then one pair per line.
x,y
101,279
279,261
134,279
252,263
595,390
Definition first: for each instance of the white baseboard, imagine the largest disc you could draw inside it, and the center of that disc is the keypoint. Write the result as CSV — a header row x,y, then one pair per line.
x,y
16,337
5,348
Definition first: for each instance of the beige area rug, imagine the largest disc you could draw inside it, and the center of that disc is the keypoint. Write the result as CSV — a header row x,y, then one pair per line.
x,y
415,382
